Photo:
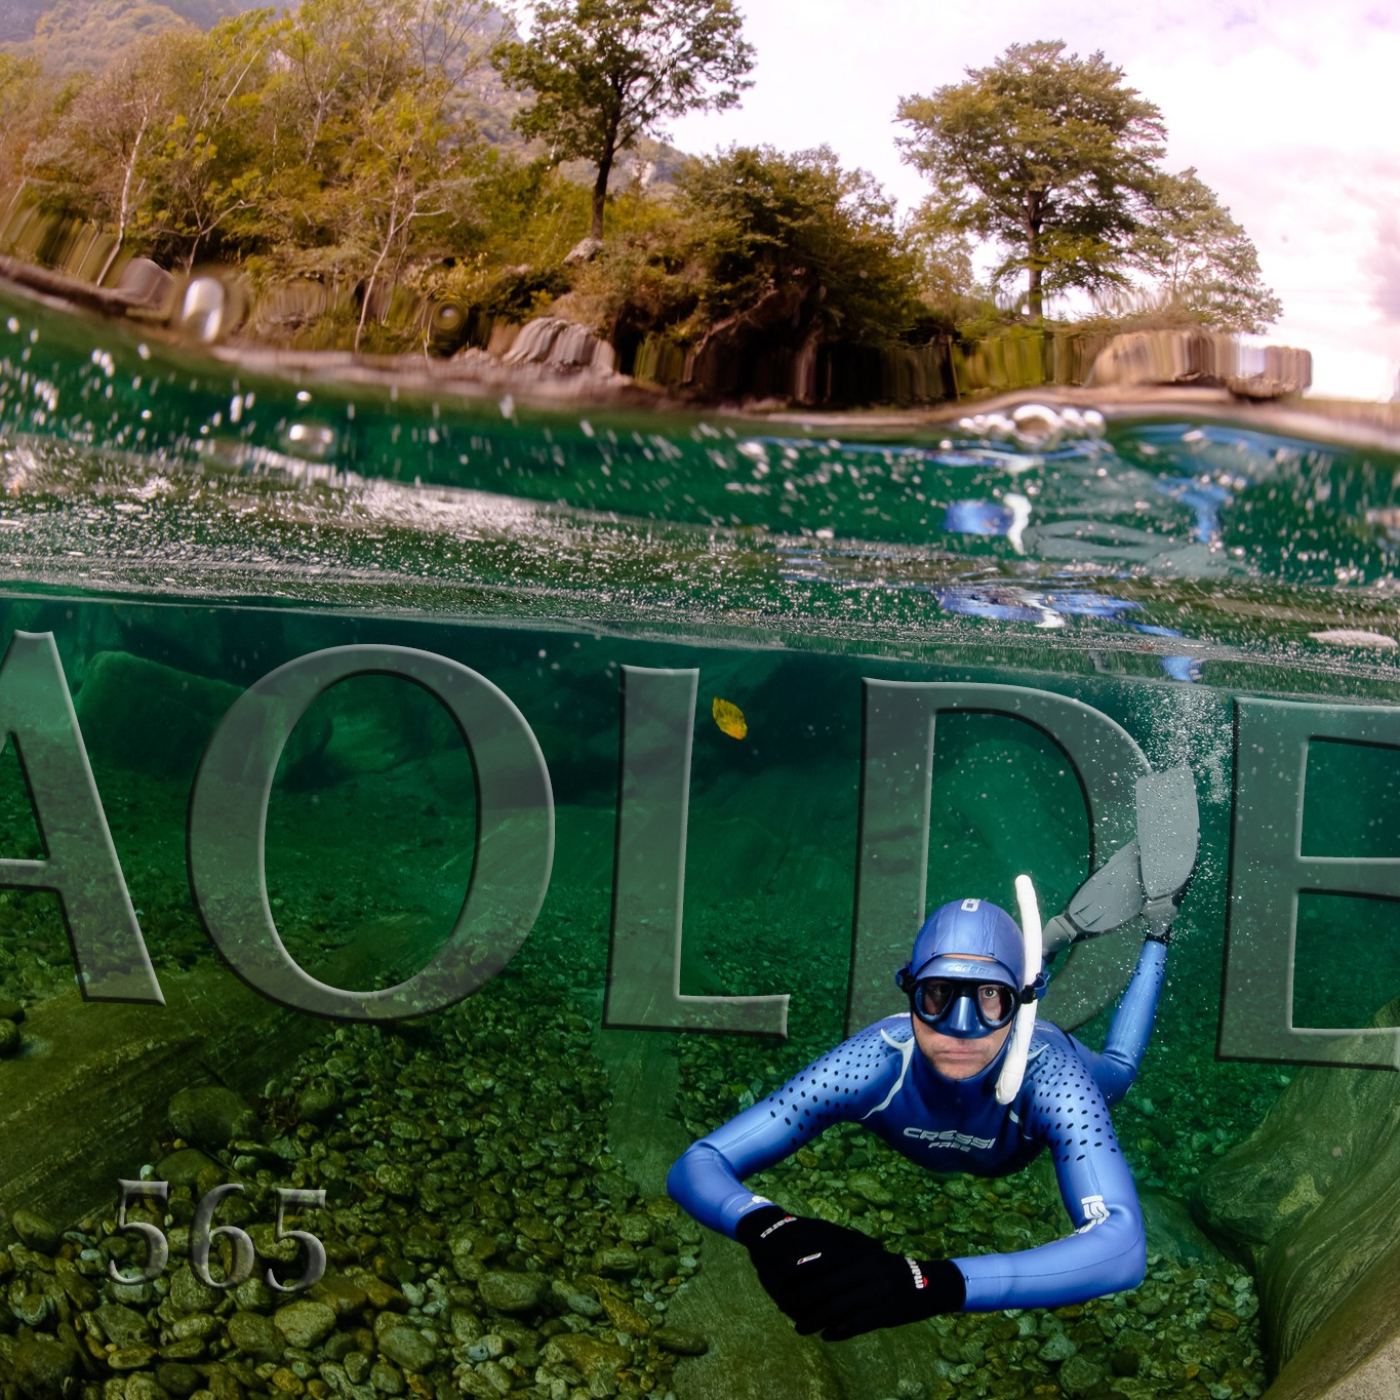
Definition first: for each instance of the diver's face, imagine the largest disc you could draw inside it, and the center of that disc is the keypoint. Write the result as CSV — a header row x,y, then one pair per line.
x,y
954,1057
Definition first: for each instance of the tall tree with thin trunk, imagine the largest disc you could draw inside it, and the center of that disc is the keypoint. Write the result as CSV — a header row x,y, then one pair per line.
x,y
1049,154
604,73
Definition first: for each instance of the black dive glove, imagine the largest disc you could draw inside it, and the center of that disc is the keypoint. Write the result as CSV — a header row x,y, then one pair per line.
x,y
792,1252
864,1292
840,1282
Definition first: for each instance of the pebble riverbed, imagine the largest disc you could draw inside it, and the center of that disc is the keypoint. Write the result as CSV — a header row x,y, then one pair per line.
x,y
483,1240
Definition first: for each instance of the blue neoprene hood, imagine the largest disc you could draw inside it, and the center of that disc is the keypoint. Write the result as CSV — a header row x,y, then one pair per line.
x,y
961,930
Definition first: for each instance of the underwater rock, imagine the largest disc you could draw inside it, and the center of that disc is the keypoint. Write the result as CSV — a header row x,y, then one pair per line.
x,y
1079,1375
211,1115
1353,1354
9,1037
678,1340
511,1292
34,1231
123,1326
408,1347
317,1103
176,1378
1058,1347
1311,1201
256,1335
189,1295
594,1359
155,719
1172,1233
40,1365
870,1187
616,1261
182,1168
304,1324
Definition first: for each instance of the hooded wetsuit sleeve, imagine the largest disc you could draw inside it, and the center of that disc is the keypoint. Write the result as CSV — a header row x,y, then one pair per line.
x,y
1116,1067
1108,1249
844,1084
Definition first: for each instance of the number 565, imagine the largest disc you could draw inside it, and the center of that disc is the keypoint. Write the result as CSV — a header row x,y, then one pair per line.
x,y
202,1233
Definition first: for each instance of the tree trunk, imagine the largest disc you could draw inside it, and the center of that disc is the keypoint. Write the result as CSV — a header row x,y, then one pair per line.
x,y
600,191
125,204
1035,297
389,237
605,165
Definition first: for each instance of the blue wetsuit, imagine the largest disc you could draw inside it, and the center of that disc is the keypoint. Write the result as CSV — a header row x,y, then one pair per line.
x,y
879,1079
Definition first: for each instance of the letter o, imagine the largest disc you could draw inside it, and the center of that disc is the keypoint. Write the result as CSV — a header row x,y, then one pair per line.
x,y
228,826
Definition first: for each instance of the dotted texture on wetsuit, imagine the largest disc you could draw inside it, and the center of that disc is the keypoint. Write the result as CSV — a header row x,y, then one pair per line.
x,y
829,1090
1066,1109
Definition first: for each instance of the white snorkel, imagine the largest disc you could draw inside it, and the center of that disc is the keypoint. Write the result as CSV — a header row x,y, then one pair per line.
x,y
1013,1069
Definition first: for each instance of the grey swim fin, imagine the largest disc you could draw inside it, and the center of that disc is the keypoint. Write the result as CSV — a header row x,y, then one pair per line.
x,y
1148,875
1169,834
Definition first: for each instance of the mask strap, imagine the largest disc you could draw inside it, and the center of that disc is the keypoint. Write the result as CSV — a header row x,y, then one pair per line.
x,y
1013,1069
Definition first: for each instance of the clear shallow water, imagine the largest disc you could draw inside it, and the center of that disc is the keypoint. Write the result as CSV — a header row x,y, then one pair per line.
x,y
182,528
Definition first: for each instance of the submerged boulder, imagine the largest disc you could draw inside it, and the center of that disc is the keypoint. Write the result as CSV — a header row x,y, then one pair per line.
x,y
1311,1203
156,719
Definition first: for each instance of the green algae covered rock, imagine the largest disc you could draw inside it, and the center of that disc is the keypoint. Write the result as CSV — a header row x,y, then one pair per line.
x,y
1311,1202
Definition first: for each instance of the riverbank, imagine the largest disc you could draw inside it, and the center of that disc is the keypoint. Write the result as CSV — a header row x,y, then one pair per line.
x,y
478,374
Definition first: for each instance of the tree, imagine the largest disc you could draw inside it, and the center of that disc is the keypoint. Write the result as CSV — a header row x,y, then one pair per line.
x,y
360,105
1204,262
947,280
26,111
791,251
205,165
606,72
1052,156
91,166
801,231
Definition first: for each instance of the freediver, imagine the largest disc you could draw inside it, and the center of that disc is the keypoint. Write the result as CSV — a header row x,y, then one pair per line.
x,y
967,1081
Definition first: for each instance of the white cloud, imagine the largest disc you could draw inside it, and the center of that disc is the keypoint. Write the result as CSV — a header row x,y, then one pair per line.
x,y
1288,112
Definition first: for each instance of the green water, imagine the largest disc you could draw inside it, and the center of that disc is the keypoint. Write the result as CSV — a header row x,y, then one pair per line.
x,y
183,528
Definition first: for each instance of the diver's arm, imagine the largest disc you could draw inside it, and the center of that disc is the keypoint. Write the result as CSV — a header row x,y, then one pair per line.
x,y
1108,1250
707,1181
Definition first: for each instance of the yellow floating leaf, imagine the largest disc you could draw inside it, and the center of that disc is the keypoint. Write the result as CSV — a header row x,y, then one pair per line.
x,y
730,718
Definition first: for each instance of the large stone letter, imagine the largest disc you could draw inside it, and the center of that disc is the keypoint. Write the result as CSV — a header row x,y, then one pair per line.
x,y
514,833
653,804
1267,873
892,863
36,711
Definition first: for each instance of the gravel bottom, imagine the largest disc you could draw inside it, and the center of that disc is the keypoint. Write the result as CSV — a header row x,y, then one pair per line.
x,y
481,1240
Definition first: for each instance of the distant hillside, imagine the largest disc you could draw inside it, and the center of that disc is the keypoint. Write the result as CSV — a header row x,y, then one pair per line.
x,y
73,34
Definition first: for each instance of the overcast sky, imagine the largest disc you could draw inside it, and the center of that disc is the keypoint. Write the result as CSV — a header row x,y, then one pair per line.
x,y
1290,111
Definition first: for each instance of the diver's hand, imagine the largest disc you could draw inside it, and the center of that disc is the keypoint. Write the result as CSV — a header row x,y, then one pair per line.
x,y
793,1253
865,1291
